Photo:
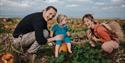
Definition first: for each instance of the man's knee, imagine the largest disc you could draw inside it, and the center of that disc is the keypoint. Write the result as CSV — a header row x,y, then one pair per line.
x,y
45,33
28,39
16,42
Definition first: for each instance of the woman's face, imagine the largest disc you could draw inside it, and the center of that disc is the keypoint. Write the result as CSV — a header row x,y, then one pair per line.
x,y
88,22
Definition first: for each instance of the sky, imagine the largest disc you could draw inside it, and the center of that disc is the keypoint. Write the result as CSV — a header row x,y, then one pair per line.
x,y
71,8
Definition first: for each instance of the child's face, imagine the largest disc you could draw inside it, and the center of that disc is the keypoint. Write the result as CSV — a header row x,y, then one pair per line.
x,y
64,21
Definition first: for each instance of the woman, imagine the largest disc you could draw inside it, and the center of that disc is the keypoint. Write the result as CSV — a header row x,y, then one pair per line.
x,y
98,33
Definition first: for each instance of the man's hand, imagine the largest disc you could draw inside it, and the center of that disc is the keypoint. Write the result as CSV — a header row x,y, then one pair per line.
x,y
50,39
58,37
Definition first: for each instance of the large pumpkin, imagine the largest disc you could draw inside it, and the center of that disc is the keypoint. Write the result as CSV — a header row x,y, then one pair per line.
x,y
63,48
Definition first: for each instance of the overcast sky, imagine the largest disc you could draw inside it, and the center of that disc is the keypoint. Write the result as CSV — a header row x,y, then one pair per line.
x,y
72,8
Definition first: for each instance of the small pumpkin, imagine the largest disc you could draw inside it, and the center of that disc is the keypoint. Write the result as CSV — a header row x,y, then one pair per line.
x,y
63,48
7,58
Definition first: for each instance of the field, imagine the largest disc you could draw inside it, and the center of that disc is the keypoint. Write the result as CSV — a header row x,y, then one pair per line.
x,y
82,51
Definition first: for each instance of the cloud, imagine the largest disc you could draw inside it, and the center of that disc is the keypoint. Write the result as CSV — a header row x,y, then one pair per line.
x,y
99,3
84,0
123,5
106,8
80,0
9,3
109,5
1,3
118,1
24,5
72,5
115,0
52,1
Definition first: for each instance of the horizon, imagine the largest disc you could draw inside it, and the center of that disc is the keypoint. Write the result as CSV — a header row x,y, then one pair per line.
x,y
80,17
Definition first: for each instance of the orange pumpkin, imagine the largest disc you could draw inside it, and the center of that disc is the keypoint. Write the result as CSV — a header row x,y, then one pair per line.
x,y
63,48
6,27
7,57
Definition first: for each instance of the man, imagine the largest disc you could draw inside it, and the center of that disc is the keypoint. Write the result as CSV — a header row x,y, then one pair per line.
x,y
32,30
98,33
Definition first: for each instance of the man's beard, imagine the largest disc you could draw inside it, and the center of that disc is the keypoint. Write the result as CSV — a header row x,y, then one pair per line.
x,y
49,19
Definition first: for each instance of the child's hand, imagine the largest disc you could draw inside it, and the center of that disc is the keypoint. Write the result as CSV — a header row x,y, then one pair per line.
x,y
68,34
58,37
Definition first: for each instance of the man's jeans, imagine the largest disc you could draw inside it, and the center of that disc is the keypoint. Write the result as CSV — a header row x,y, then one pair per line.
x,y
28,40
25,41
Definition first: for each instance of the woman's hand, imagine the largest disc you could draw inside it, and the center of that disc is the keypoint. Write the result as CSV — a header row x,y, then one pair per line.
x,y
92,44
95,39
89,34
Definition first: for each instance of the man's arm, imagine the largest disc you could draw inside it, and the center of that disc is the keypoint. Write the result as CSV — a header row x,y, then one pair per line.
x,y
39,35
